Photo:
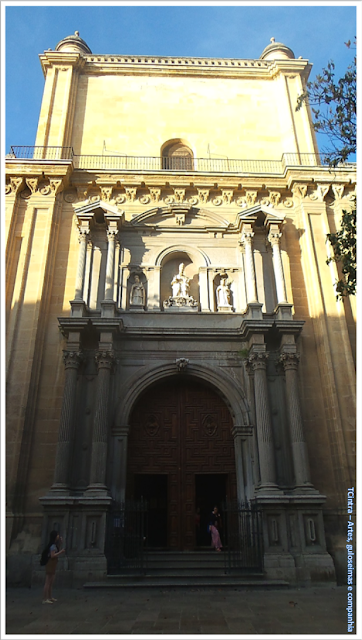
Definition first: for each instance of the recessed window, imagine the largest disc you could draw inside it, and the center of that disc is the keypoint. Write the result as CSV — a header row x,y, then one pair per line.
x,y
177,156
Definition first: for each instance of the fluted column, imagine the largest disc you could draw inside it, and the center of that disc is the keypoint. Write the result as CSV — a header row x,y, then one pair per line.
x,y
299,448
247,241
274,239
79,281
105,361
258,361
72,360
109,285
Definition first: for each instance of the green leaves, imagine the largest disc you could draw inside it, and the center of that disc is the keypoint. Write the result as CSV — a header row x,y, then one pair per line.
x,y
333,105
344,244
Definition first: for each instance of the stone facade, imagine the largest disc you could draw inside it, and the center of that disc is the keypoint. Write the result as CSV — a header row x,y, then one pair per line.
x,y
141,165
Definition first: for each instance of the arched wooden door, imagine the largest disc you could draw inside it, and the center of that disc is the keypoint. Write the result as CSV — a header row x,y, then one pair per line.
x,y
180,458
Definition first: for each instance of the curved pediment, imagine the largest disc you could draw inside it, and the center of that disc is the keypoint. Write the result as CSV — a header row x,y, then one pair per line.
x,y
181,216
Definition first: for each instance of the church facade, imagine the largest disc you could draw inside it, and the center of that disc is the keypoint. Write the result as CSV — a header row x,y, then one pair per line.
x,y
172,324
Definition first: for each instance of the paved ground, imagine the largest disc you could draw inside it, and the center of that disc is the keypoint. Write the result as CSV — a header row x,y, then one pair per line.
x,y
178,610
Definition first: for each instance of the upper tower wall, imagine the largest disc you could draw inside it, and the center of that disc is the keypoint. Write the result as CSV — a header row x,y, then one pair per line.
x,y
132,105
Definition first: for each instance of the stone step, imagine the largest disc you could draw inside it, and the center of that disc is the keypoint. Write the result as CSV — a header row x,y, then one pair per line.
x,y
168,582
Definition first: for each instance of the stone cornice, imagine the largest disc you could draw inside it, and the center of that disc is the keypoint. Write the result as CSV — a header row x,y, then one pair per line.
x,y
206,67
62,60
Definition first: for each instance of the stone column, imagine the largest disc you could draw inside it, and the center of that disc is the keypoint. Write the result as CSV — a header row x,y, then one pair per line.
x,y
299,447
79,282
72,360
258,361
274,239
109,284
247,241
240,433
105,361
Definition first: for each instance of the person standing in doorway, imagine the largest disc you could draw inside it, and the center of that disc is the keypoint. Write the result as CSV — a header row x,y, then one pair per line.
x,y
215,524
50,567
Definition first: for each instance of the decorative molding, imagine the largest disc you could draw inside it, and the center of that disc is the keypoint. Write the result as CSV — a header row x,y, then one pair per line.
x,y
106,193
14,186
203,195
180,195
72,359
338,190
155,193
131,193
227,195
289,360
32,184
182,363
258,360
299,190
105,359
250,197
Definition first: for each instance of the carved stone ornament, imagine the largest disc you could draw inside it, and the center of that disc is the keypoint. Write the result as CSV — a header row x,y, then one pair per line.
x,y
155,194
251,197
82,193
203,195
289,360
258,360
227,195
180,195
217,201
105,359
32,184
180,298
120,199
274,197
151,425
145,199
241,201
300,190
106,193
14,186
131,193
180,219
70,195
72,359
274,237
44,189
338,190
209,425
193,200
182,363
169,199
288,202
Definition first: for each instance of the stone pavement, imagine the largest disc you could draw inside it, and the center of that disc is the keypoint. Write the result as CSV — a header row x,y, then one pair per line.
x,y
178,610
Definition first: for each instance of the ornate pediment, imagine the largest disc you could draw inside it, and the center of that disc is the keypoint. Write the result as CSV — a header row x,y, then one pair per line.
x,y
183,216
260,214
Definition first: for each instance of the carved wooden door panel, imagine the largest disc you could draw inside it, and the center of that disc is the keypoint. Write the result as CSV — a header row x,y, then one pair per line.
x,y
181,428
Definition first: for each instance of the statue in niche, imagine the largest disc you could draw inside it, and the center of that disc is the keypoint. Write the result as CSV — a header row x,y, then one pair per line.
x,y
223,294
138,294
181,299
180,284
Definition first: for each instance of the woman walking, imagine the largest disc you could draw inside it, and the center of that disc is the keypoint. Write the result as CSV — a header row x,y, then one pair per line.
x,y
215,522
51,565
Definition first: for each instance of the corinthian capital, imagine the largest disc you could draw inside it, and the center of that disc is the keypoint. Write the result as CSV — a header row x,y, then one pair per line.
x,y
258,360
274,237
289,360
105,359
72,359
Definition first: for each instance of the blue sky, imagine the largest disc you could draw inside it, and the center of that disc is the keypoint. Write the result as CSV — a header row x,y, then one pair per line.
x,y
314,32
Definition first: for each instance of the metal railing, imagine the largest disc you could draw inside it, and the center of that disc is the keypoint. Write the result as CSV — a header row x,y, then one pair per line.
x,y
91,162
243,536
126,538
41,153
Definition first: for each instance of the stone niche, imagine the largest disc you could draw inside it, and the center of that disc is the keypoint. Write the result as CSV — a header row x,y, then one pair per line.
x,y
170,268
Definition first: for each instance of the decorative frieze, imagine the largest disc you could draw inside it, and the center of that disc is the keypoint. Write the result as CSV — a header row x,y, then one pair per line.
x,y
13,186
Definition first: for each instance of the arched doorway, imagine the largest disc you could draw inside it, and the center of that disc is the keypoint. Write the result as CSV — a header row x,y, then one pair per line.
x,y
180,458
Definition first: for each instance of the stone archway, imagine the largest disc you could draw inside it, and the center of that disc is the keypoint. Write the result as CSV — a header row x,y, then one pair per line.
x,y
180,437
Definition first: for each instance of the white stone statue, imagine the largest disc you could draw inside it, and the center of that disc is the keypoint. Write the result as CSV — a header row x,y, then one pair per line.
x,y
137,297
223,294
180,299
180,284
